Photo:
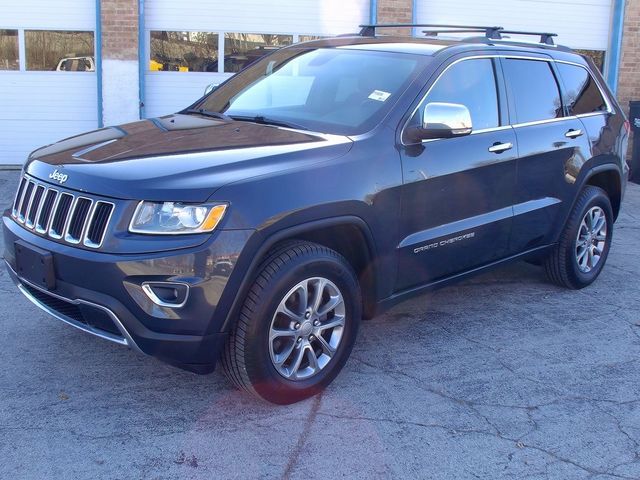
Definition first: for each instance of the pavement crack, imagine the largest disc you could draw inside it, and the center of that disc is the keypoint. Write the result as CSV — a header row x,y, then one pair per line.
x,y
297,450
455,431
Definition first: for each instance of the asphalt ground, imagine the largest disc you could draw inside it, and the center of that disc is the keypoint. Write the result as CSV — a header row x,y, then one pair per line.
x,y
502,376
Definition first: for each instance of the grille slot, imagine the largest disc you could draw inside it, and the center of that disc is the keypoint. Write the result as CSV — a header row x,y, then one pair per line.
x,y
45,213
16,202
98,224
26,200
61,215
79,215
35,206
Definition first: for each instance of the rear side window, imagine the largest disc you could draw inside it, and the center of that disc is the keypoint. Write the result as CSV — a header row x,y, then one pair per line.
x,y
471,83
533,90
582,94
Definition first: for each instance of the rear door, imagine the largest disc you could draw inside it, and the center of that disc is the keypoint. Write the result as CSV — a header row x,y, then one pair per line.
x,y
458,193
551,144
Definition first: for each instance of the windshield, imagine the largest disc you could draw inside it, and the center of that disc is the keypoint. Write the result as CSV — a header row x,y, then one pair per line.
x,y
330,90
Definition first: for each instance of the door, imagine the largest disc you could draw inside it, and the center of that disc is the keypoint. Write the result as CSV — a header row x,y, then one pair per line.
x,y
551,145
458,192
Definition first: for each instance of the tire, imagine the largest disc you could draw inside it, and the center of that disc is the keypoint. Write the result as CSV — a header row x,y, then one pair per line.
x,y
570,264
255,356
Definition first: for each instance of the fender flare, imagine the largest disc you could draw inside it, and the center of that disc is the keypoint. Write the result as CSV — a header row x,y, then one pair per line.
x,y
259,244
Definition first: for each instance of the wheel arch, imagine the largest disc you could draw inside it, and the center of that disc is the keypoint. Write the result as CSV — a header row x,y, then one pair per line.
x,y
343,234
608,178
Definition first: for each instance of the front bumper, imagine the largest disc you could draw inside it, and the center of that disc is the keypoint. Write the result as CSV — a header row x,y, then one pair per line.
x,y
102,294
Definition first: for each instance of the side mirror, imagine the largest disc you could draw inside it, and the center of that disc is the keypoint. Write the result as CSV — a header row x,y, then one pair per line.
x,y
442,120
210,88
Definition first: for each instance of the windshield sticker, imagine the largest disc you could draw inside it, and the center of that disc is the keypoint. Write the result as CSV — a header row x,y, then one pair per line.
x,y
379,95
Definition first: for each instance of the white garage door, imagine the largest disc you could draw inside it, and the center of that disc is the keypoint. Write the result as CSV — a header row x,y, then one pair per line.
x,y
193,43
580,24
47,74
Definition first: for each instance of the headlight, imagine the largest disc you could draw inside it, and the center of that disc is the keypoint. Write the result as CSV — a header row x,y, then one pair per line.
x,y
172,218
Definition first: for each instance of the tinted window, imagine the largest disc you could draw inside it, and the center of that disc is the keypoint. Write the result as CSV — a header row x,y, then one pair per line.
x,y
582,94
59,50
184,51
242,49
534,90
470,83
9,50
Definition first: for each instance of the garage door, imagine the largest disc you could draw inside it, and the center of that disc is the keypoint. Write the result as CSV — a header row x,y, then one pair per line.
x,y
193,43
580,24
47,74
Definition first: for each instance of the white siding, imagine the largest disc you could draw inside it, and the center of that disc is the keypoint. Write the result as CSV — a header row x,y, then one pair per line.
x,y
581,24
67,14
38,108
167,92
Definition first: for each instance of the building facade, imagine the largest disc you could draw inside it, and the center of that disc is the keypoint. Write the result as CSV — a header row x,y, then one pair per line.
x,y
76,65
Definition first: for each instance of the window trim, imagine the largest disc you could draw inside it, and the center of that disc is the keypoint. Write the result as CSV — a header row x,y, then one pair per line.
x,y
609,110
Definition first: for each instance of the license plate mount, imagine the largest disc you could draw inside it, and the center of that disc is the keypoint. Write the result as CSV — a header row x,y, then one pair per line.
x,y
35,265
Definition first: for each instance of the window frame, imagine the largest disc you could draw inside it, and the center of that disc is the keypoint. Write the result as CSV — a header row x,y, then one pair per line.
x,y
22,50
595,79
556,77
503,111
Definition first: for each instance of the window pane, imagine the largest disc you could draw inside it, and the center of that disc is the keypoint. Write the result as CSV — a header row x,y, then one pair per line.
x,y
59,50
241,49
329,90
534,90
308,38
9,50
184,51
470,83
582,95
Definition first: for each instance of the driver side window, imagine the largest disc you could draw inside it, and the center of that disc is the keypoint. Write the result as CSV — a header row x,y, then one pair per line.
x,y
471,83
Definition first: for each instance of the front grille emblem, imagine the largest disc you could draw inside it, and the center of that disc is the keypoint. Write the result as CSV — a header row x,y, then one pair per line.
x,y
58,176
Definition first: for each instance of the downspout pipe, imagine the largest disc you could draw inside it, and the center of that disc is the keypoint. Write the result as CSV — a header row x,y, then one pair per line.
x,y
98,62
373,12
141,57
614,57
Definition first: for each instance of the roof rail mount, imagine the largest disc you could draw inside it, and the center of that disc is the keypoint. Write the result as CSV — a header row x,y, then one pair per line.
x,y
491,33
369,30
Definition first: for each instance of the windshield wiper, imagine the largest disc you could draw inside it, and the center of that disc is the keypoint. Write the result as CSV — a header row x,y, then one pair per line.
x,y
268,121
208,113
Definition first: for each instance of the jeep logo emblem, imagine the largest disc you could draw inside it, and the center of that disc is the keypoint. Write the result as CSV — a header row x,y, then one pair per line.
x,y
58,177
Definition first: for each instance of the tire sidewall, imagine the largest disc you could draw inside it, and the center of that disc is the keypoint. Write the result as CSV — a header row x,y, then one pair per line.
x,y
264,377
597,199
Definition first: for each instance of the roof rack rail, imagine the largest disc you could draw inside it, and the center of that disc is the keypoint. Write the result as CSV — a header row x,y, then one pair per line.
x,y
545,37
369,30
491,33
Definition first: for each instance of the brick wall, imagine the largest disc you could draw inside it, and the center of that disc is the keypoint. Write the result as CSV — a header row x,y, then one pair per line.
x,y
629,73
120,67
119,29
395,11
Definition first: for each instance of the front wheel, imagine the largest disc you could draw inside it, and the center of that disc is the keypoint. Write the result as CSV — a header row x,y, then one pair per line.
x,y
297,326
584,244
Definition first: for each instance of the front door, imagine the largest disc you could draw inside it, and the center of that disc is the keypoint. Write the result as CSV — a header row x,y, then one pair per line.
x,y
458,193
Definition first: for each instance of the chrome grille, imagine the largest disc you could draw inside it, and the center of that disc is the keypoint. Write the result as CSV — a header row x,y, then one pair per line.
x,y
61,215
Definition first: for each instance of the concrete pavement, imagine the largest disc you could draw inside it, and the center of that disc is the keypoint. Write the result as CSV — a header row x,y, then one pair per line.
x,y
503,376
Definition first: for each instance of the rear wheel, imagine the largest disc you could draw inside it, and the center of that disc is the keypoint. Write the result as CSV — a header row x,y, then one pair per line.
x,y
584,244
297,326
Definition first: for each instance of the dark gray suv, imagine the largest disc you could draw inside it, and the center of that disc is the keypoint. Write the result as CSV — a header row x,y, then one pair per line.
x,y
325,182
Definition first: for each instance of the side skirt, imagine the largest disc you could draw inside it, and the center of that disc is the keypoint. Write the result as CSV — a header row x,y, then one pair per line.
x,y
403,295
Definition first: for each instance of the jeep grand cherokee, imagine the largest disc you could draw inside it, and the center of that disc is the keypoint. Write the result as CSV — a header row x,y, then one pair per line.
x,y
320,185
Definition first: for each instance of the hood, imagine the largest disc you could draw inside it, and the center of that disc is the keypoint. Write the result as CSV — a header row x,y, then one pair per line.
x,y
177,157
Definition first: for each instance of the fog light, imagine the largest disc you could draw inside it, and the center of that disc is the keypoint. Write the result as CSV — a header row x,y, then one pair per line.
x,y
167,294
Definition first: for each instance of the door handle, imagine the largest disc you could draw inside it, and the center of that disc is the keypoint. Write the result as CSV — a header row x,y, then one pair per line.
x,y
500,147
573,133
